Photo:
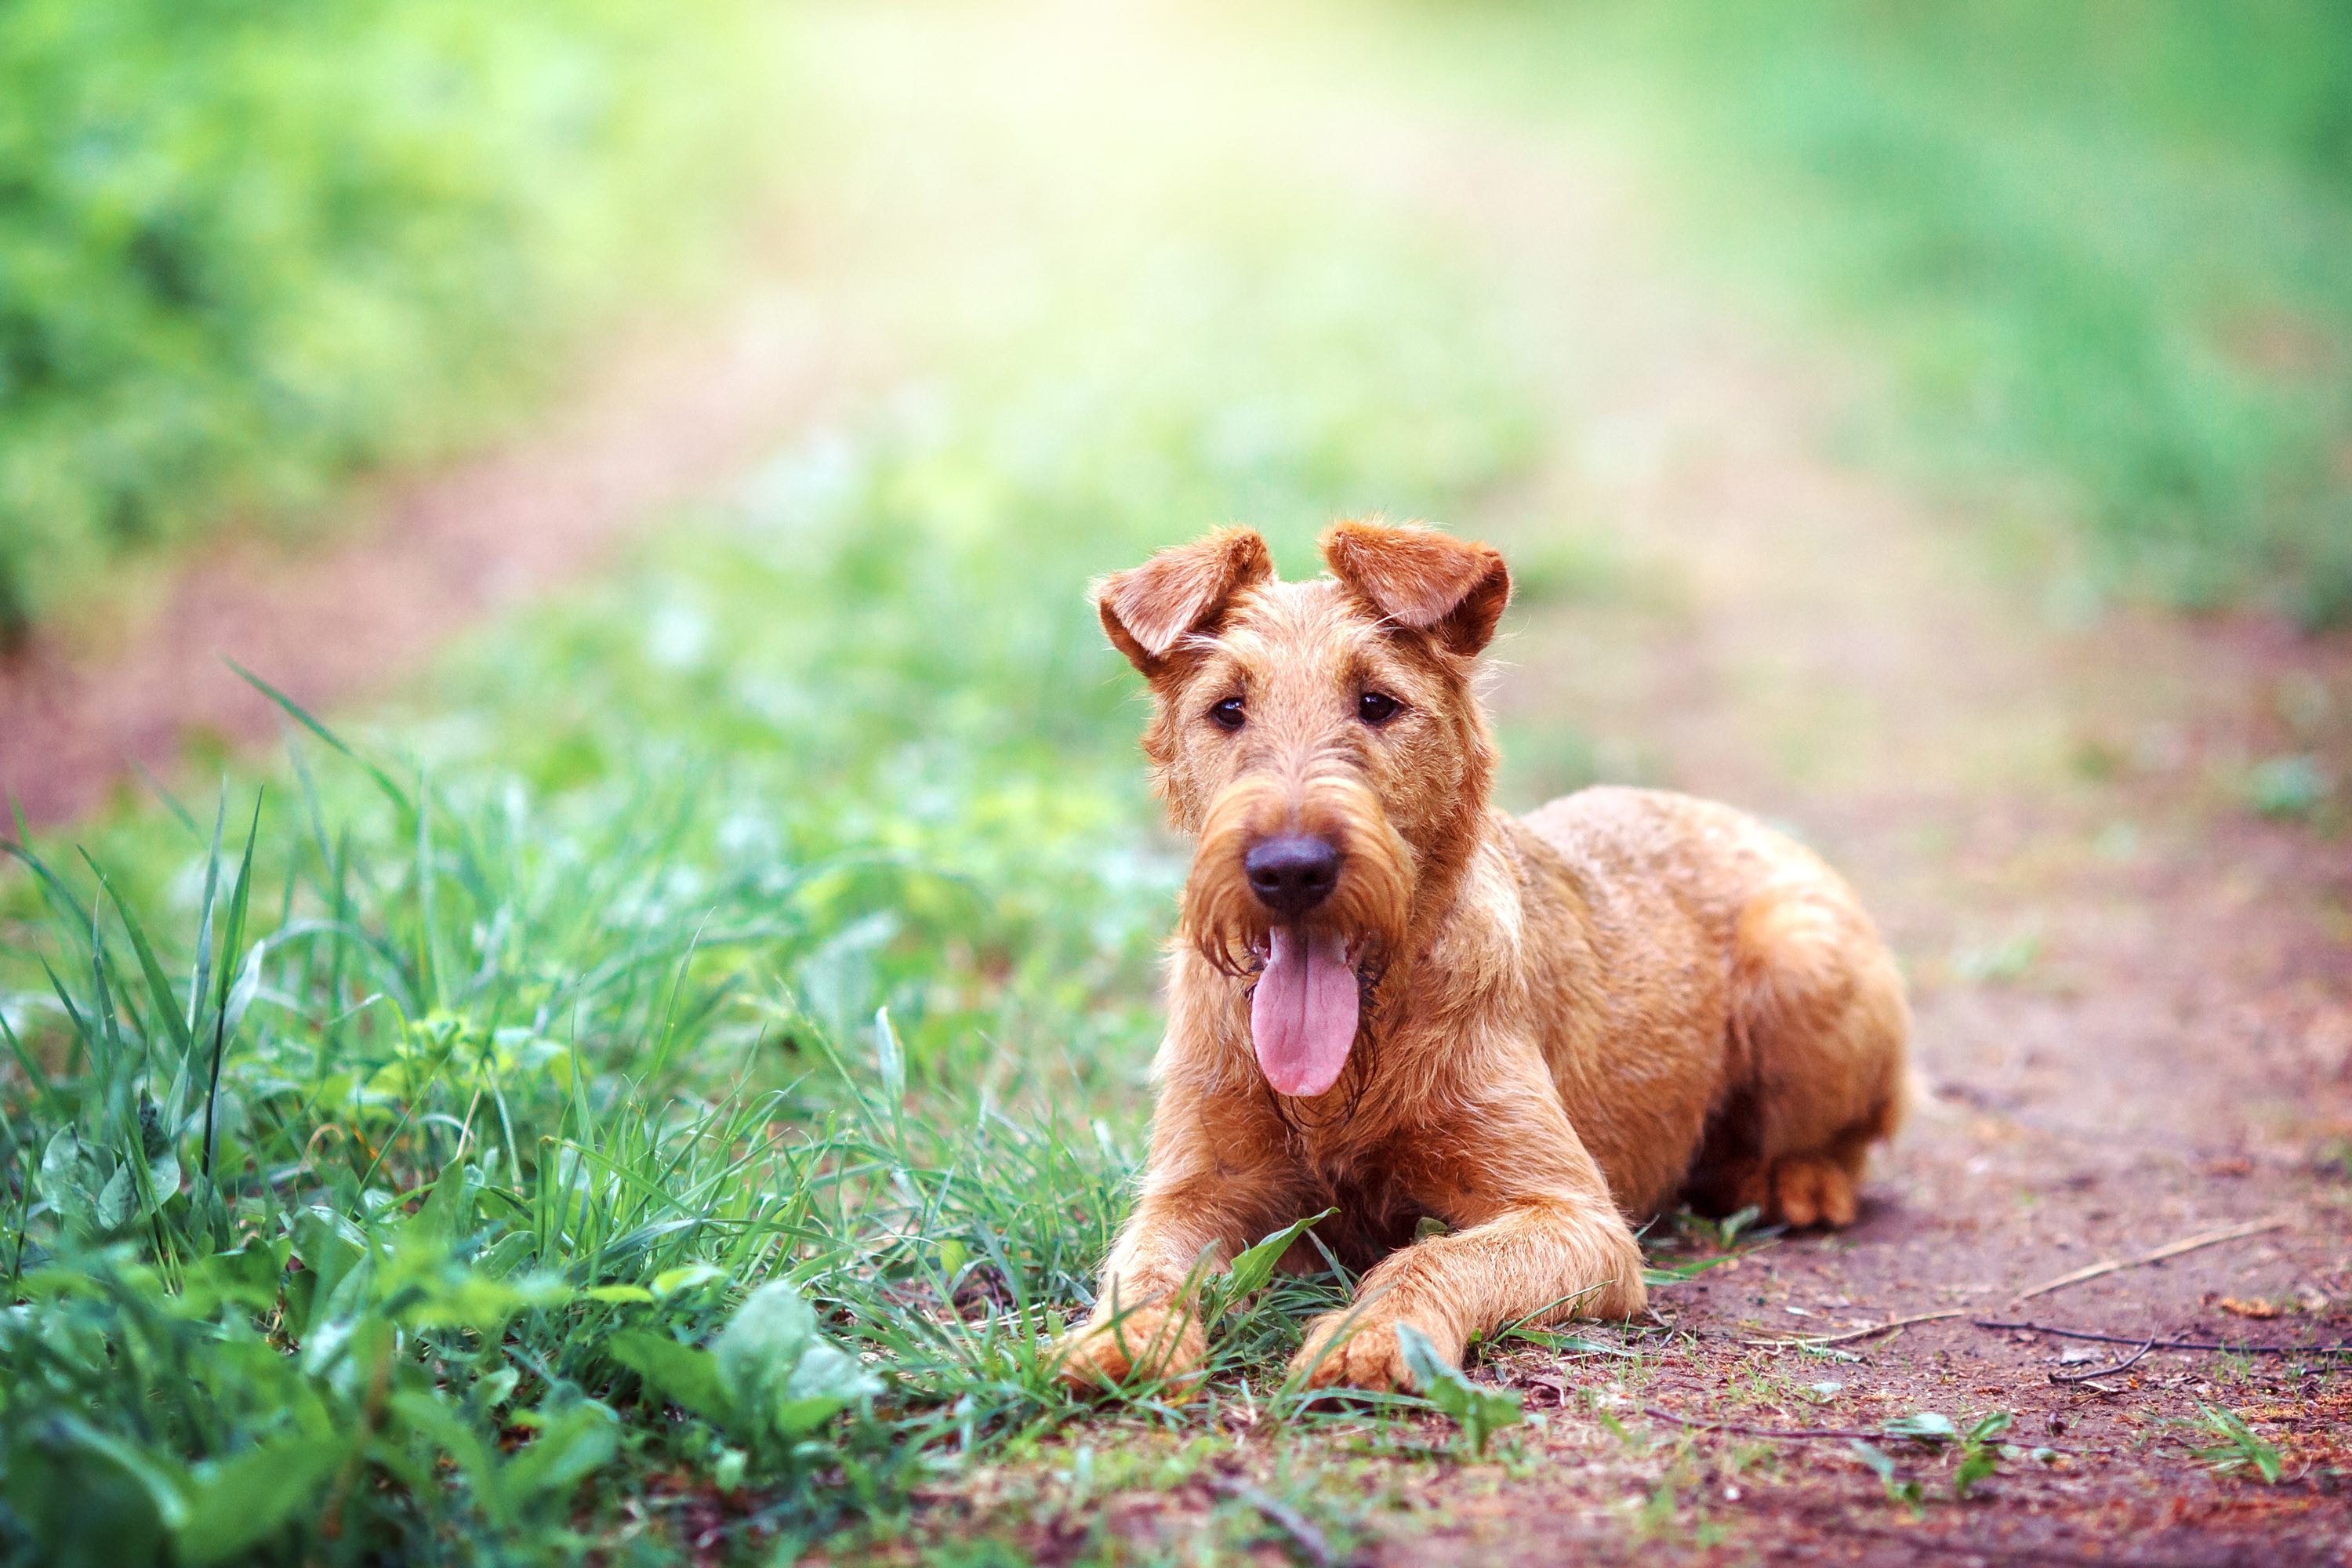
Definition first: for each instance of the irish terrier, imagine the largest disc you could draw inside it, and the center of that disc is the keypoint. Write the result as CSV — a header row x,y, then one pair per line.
x,y
1388,999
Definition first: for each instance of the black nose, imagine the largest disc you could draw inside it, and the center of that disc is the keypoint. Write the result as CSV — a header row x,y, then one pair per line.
x,y
1292,874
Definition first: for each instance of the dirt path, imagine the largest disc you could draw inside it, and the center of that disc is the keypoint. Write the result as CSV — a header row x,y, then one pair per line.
x,y
2132,993
660,418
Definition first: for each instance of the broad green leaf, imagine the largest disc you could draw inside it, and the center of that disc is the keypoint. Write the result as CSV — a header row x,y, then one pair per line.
x,y
1923,1427
88,1498
249,1275
1254,1267
827,1372
765,1341
117,1201
497,1388
470,1298
1479,1412
674,1281
684,1375
70,1180
441,1426
1883,1465
791,1418
1976,1465
567,1450
162,1155
777,1368
238,1504
1879,1459
330,1248
1989,1426
449,1207
349,1348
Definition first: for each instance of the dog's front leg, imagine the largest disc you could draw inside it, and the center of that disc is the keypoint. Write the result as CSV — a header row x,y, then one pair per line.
x,y
1537,1239
1216,1180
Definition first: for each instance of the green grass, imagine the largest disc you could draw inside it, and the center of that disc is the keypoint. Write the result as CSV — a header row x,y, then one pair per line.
x,y
2240,1449
394,1144
2097,248
248,246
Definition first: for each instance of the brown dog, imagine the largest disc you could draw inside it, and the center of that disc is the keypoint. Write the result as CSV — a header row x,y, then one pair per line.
x,y
1389,998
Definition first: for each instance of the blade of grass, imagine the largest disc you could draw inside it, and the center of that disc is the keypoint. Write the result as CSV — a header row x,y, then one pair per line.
x,y
301,716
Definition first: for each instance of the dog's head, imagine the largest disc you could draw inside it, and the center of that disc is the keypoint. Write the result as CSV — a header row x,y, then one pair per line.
x,y
1323,742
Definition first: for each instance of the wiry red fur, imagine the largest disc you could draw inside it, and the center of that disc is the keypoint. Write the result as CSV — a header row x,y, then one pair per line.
x,y
1571,1019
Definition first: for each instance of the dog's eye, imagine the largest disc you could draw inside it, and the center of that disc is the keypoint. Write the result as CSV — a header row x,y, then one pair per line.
x,y
1377,708
1227,715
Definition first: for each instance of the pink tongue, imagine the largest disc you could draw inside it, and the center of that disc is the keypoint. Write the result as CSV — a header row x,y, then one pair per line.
x,y
1303,1016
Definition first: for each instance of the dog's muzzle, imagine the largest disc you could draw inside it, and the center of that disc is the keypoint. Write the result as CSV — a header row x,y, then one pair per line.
x,y
1292,874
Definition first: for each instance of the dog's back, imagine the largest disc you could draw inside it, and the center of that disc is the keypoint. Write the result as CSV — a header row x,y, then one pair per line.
x,y
1705,981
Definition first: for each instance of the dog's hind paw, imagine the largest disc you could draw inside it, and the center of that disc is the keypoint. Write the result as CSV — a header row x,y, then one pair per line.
x,y
1810,1192
1147,1344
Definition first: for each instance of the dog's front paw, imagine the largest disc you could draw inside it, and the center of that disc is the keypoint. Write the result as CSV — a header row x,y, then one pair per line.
x,y
1142,1345
1365,1352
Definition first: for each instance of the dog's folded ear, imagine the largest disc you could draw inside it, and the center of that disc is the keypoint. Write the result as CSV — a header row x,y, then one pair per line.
x,y
1149,610
1423,580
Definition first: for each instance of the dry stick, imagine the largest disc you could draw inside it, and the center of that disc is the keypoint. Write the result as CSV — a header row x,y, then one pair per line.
x,y
2170,1249
1872,1331
2341,1347
2124,1365
1288,1519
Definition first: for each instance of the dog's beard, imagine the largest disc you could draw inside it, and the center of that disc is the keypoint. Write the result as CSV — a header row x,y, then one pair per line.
x,y
1364,919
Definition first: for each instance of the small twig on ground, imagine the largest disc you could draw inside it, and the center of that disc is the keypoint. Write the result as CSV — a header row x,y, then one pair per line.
x,y
1288,1519
2124,1365
2170,1249
2340,1347
1872,1331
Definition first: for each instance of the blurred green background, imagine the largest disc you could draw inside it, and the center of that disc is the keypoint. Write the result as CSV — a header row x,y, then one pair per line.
x,y
2097,245
394,1132
249,247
